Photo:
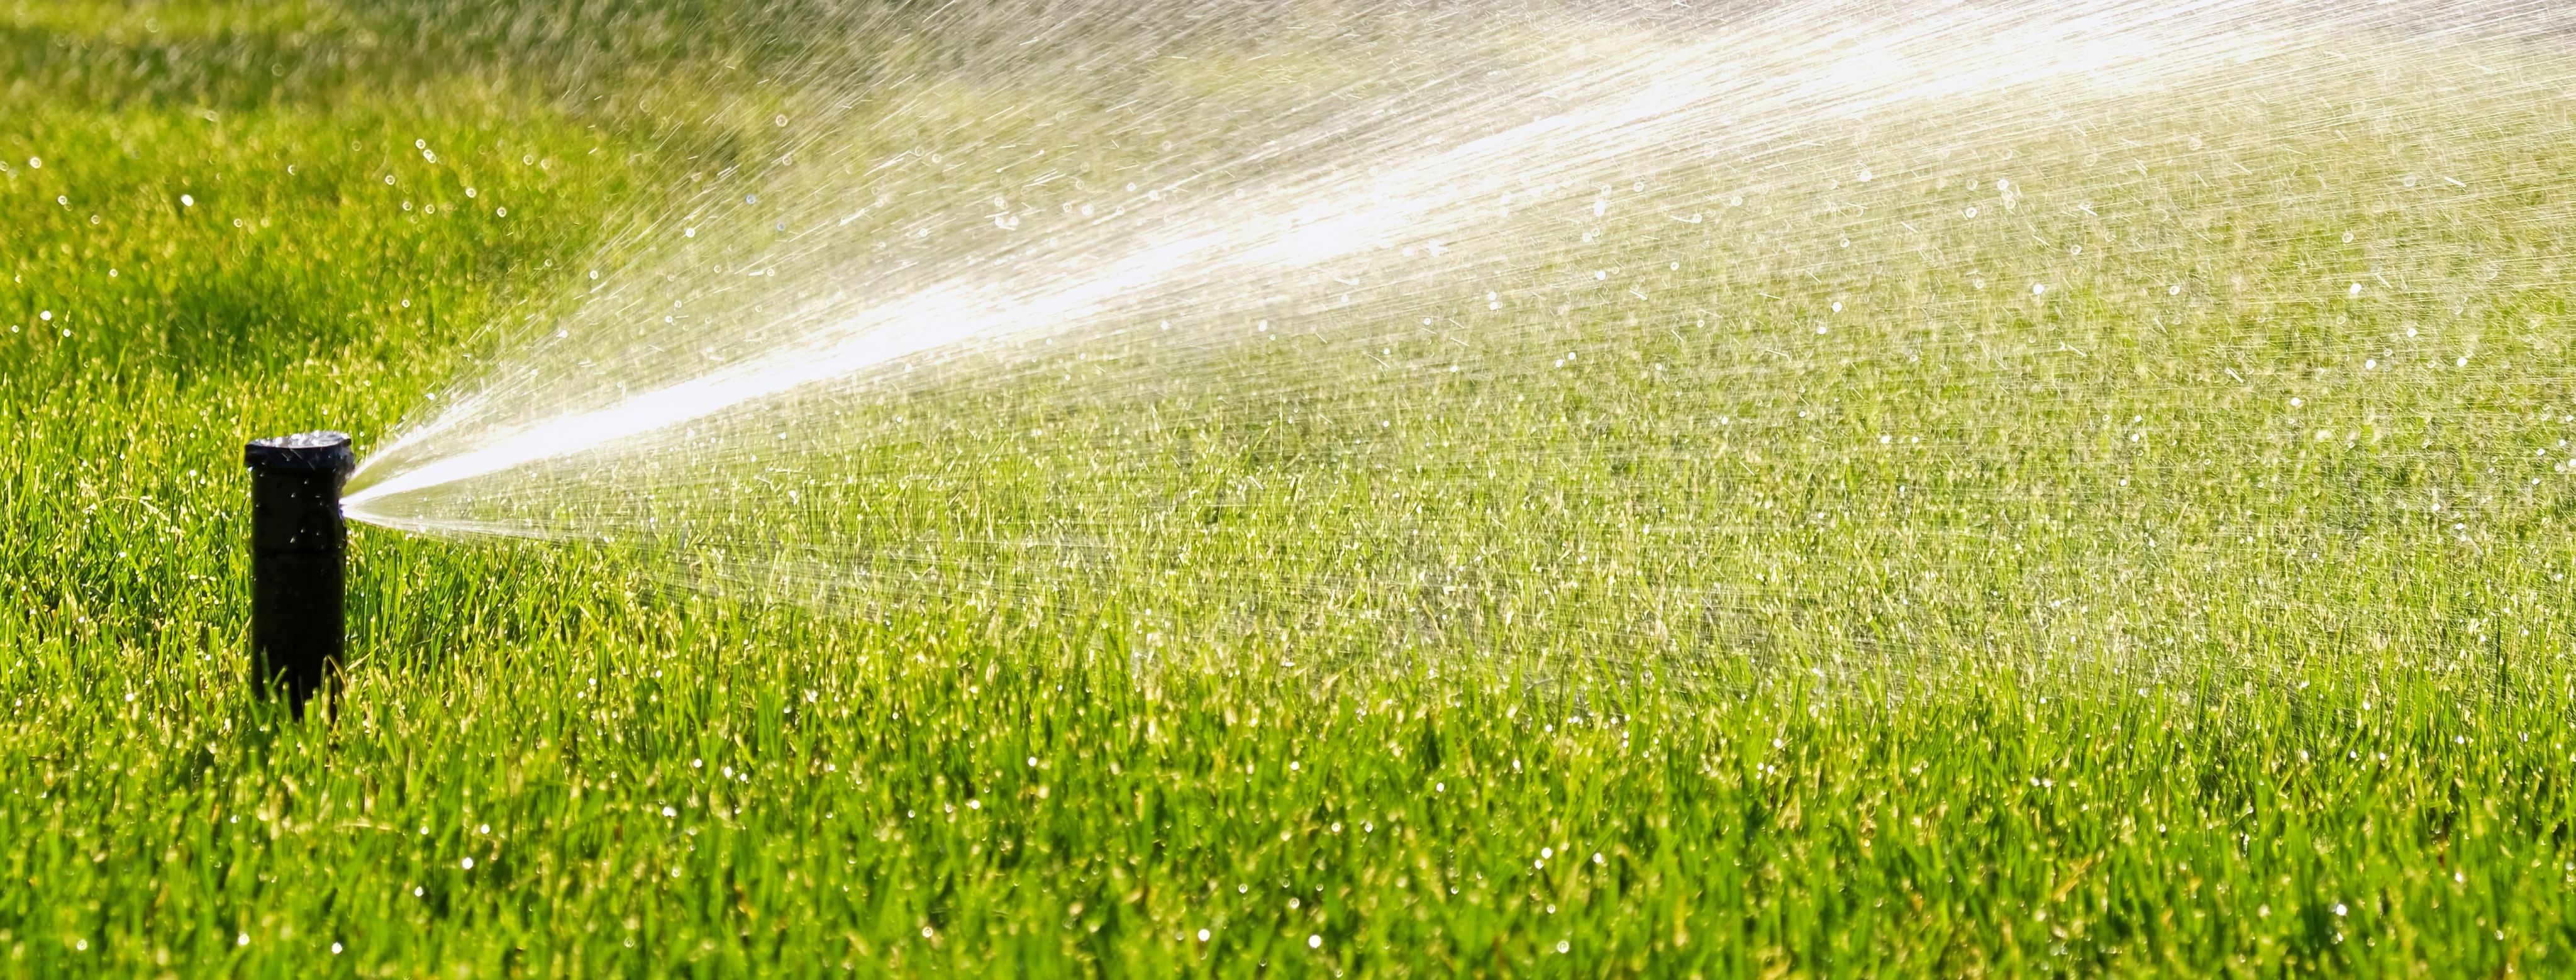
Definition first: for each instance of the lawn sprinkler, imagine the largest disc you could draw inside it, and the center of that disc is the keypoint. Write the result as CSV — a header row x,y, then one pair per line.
x,y
297,541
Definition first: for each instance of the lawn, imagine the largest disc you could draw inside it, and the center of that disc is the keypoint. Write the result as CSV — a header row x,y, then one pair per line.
x,y
1853,580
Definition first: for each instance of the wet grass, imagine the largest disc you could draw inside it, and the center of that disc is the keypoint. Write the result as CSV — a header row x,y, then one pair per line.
x,y
2345,749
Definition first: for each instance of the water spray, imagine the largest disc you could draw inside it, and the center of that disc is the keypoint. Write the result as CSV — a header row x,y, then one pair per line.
x,y
1032,327
297,542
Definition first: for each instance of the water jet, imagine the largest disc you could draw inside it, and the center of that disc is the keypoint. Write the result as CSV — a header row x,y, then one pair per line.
x,y
297,540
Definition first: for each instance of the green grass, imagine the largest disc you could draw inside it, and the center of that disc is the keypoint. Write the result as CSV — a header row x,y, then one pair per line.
x,y
2229,699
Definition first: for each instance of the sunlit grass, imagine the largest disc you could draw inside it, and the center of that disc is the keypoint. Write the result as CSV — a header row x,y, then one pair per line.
x,y
2027,695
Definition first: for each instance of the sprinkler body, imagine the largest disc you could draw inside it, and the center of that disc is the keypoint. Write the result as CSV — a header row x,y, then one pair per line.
x,y
297,542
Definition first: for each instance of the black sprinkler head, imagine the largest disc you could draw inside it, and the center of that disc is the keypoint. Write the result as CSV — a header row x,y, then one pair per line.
x,y
297,542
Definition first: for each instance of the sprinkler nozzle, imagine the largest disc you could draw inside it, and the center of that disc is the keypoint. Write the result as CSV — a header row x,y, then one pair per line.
x,y
297,542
